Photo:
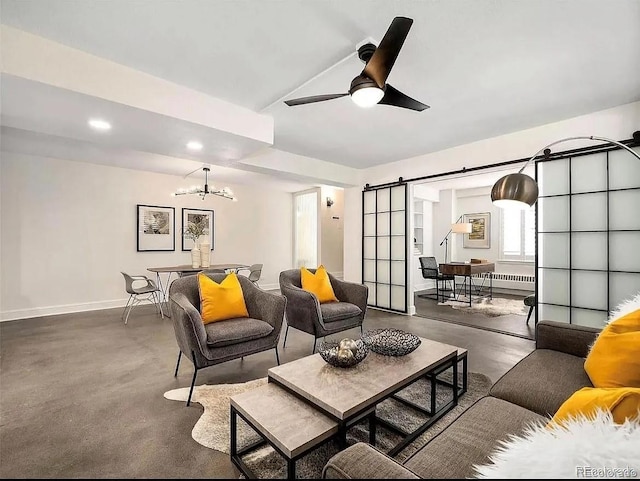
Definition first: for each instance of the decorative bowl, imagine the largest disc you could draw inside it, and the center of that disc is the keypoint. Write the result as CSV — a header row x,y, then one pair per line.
x,y
329,352
391,342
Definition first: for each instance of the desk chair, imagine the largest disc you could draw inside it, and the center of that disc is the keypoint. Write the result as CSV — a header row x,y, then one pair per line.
x,y
530,301
149,292
431,270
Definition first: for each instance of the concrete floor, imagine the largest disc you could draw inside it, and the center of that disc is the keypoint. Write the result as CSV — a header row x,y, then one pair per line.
x,y
81,395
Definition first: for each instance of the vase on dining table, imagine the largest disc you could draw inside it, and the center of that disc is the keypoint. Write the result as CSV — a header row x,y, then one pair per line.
x,y
195,256
205,254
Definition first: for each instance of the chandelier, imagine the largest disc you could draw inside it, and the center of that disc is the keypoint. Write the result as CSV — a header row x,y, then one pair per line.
x,y
207,189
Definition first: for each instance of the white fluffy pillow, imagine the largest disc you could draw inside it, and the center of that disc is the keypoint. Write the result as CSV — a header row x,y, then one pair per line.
x,y
576,450
625,307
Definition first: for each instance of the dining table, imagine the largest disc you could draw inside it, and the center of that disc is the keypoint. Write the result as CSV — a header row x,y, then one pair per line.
x,y
186,269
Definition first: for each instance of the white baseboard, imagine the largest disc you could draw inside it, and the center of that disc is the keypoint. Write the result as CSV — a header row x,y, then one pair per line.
x,y
62,309
16,314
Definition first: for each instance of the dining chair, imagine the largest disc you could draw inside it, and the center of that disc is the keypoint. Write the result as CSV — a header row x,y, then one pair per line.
x,y
255,271
214,271
149,292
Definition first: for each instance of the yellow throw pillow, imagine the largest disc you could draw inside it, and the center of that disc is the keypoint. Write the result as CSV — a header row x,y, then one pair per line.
x,y
614,359
318,283
221,301
622,402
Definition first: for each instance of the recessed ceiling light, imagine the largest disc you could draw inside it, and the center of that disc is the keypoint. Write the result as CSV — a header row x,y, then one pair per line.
x,y
194,145
99,124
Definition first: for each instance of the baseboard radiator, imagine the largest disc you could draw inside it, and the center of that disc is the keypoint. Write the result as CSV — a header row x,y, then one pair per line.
x,y
512,281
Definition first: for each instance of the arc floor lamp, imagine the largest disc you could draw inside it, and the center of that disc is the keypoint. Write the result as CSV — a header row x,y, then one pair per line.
x,y
456,228
521,191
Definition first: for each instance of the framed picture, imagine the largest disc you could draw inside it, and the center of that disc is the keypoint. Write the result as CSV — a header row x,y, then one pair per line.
x,y
480,236
156,230
203,218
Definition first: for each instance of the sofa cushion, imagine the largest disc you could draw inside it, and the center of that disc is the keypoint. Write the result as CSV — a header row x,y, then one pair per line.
x,y
337,311
234,331
542,381
622,402
614,359
470,439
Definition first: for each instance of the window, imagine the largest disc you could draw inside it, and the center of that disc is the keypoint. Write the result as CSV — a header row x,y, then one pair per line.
x,y
517,234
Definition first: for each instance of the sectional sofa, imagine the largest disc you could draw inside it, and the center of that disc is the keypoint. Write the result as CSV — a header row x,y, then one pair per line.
x,y
531,391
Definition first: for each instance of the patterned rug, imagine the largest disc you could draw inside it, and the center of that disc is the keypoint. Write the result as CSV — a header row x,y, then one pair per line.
x,y
495,307
212,429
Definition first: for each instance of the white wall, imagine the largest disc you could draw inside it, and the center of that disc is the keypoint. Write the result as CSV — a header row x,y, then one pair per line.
x,y
332,230
69,228
616,123
473,201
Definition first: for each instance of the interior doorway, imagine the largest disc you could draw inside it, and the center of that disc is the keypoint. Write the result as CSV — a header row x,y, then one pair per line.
x,y
506,243
318,229
305,228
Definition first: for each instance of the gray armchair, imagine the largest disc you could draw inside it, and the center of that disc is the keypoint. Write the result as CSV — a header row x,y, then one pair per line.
x,y
305,313
221,341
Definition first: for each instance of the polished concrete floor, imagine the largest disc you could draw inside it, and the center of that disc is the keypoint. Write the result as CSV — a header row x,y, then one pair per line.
x,y
81,395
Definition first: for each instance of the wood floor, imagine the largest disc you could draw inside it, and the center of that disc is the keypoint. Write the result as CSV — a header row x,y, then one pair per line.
x,y
511,324
82,394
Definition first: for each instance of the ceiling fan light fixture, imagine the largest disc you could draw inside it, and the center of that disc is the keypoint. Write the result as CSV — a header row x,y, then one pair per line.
x,y
366,97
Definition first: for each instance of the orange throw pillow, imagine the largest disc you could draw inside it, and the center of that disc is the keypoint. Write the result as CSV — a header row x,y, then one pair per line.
x,y
624,403
221,301
318,284
614,359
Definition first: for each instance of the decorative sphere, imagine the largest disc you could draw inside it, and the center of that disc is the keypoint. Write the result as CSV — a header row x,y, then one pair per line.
x,y
345,355
349,344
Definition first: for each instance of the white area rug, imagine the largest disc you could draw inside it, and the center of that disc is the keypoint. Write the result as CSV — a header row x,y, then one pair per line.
x,y
212,429
495,307
583,448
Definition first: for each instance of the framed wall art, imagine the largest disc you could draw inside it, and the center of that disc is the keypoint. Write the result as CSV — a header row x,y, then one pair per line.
x,y
202,218
480,236
155,228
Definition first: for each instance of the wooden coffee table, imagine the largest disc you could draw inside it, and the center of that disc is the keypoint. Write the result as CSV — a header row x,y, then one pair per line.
x,y
307,402
348,394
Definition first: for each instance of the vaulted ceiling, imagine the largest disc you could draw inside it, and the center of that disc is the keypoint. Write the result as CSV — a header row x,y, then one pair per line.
x,y
486,67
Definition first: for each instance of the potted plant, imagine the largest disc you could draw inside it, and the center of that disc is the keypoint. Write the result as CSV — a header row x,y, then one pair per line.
x,y
193,231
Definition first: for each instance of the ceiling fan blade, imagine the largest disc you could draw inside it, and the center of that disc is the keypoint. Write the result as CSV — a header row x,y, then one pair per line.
x,y
313,99
394,97
382,60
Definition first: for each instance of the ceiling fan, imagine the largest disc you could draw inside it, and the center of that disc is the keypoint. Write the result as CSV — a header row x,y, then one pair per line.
x,y
370,87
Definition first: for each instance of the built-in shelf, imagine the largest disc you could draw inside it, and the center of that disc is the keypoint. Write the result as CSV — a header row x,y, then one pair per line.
x,y
418,227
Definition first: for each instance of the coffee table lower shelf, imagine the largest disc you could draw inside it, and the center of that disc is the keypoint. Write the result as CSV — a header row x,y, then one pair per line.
x,y
293,426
